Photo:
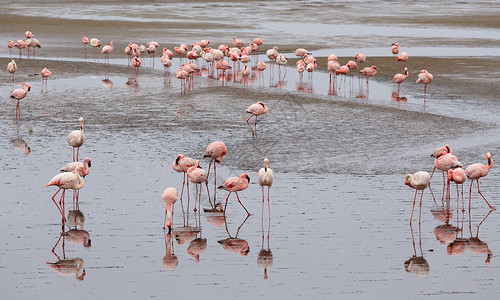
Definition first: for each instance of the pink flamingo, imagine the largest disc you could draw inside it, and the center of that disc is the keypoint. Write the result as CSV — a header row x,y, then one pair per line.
x,y
45,75
351,65
71,167
235,184
368,72
403,58
76,139
399,78
33,43
216,152
300,52
332,57
85,41
425,78
257,41
256,109
395,48
96,43
106,50
20,44
237,42
266,178
360,58
182,164
197,176
181,50
332,66
170,197
10,45
151,48
458,176
64,181
19,94
12,68
136,63
222,65
28,34
476,171
310,68
301,67
418,181
441,151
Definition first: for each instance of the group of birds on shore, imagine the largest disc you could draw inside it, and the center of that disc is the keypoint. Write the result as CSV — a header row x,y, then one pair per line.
x,y
71,175
447,162
191,168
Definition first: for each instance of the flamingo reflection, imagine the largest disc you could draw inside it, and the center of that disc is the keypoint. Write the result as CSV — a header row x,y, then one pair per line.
x,y
236,244
265,258
20,144
67,266
170,260
197,247
75,219
417,264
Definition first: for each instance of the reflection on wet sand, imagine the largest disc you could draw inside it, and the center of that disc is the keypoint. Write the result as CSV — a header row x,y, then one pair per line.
x,y
235,244
170,260
197,247
66,266
417,264
19,143
265,258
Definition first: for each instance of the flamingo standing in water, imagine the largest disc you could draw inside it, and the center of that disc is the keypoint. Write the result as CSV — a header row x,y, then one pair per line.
x,y
235,184
69,267
332,66
399,78
237,42
368,72
458,176
266,178
216,152
476,171
136,63
360,58
182,164
403,58
71,167
418,181
45,75
20,44
96,43
256,109
19,94
395,48
106,50
170,196
76,139
445,162
64,181
10,45
85,41
425,78
12,68
32,42
197,176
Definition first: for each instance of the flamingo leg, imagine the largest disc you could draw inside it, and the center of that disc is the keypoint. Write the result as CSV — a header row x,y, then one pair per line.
x,y
262,216
420,213
255,126
196,198
470,193
491,207
269,210
182,193
226,202
413,208
57,205
242,203
253,134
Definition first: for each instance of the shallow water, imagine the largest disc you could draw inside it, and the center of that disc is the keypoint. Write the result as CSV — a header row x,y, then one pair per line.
x,y
339,209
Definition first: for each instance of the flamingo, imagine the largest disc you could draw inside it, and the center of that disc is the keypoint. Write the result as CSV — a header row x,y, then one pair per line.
x,y
34,43
395,48
266,178
20,44
403,58
12,68
64,181
96,43
215,151
256,109
136,63
246,71
106,50
425,78
441,151
79,236
351,65
360,58
445,162
458,176
332,57
281,60
151,48
418,181
476,171
332,66
85,41
10,45
257,41
197,176
28,34
182,164
45,74
170,260
238,43
71,167
19,94
76,139
222,65
272,53
301,67
300,52
235,184
170,196
399,78
368,72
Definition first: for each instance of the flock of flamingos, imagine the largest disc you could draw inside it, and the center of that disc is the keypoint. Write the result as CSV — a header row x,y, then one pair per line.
x,y
71,176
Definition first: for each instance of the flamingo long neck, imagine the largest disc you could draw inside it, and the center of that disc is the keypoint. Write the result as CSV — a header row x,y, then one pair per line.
x,y
490,162
265,166
409,180
80,183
